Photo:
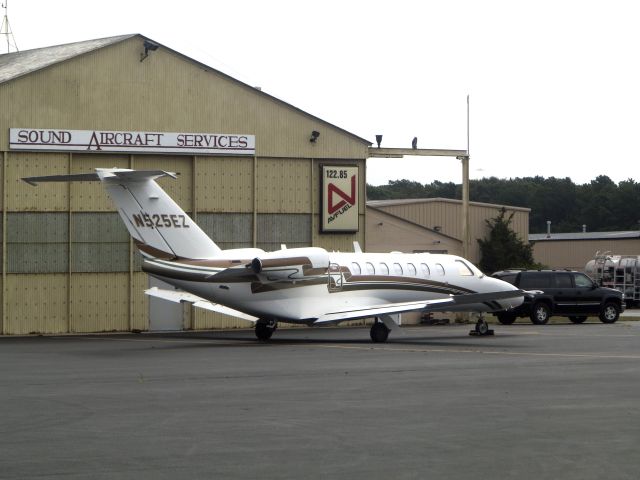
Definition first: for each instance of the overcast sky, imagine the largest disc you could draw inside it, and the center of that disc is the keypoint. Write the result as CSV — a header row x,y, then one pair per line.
x,y
554,85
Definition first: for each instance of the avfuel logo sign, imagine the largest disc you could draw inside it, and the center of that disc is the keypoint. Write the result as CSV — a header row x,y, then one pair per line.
x,y
340,198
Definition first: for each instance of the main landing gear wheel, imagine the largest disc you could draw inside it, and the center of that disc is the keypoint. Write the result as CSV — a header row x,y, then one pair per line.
x,y
379,332
264,330
482,328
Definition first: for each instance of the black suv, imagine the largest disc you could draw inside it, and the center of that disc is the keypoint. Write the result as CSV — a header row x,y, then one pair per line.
x,y
564,293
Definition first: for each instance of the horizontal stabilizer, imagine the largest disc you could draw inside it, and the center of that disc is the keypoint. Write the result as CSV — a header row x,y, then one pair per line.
x,y
178,296
80,177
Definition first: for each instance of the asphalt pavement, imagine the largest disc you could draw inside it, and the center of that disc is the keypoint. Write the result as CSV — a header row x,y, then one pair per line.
x,y
531,402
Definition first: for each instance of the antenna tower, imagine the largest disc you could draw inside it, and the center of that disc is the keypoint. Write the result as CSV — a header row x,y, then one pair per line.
x,y
5,29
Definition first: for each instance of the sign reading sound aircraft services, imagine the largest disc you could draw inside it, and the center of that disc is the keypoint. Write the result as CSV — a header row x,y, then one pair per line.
x,y
340,198
106,141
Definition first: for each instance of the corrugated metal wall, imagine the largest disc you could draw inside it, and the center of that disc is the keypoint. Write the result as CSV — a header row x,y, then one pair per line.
x,y
576,254
447,215
70,265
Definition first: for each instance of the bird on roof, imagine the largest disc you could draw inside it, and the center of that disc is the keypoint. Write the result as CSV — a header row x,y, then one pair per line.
x,y
414,143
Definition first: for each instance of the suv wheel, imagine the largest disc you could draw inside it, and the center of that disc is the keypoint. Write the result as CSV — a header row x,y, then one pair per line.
x,y
506,318
578,319
609,313
540,313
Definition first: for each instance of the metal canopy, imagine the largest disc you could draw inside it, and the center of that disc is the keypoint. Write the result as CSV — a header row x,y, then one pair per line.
x,y
463,155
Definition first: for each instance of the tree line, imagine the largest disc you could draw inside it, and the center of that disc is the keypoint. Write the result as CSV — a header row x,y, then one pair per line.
x,y
601,205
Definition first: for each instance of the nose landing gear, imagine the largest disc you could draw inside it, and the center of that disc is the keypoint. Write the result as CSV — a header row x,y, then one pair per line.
x,y
482,328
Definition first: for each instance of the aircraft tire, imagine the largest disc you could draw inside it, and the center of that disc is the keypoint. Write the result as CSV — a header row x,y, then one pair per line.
x,y
379,332
506,318
482,327
264,331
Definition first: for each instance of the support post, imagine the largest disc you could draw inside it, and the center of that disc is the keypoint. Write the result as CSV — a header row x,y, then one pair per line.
x,y
466,238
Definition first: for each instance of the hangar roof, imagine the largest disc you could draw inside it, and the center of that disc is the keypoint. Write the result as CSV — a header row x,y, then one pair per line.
x,y
18,64
407,201
538,237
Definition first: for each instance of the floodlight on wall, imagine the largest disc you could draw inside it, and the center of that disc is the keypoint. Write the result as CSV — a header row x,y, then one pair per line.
x,y
148,47
378,140
314,136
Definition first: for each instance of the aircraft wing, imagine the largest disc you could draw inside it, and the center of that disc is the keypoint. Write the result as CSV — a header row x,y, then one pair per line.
x,y
438,304
178,296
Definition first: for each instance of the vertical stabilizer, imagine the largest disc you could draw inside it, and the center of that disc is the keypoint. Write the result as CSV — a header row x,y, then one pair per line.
x,y
158,225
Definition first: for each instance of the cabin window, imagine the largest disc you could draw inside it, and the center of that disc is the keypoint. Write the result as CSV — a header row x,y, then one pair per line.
x,y
384,270
463,269
370,268
412,269
355,268
439,269
424,268
397,269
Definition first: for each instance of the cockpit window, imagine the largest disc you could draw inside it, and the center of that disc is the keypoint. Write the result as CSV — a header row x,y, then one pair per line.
x,y
463,269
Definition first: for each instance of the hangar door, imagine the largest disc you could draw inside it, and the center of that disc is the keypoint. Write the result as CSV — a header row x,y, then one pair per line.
x,y
164,316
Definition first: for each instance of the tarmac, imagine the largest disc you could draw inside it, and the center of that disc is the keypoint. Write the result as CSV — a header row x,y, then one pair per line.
x,y
556,401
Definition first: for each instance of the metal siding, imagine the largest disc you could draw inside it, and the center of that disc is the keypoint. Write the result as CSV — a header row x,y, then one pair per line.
x,y
139,301
576,254
36,227
228,228
224,184
204,319
283,186
90,196
98,227
37,257
99,257
178,189
99,302
21,196
36,304
37,242
274,228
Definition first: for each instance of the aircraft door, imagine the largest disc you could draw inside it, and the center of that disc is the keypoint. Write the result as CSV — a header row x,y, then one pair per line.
x,y
336,278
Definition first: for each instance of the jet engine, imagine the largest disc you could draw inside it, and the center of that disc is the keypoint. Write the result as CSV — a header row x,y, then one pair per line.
x,y
291,264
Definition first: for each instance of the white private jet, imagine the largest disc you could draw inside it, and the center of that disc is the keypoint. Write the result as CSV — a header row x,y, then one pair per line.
x,y
299,285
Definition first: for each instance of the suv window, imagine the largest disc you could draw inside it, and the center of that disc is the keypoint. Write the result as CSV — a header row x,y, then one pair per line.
x,y
511,278
563,280
582,280
529,280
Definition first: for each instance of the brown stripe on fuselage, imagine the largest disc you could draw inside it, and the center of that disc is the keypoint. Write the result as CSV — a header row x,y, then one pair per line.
x,y
385,279
154,252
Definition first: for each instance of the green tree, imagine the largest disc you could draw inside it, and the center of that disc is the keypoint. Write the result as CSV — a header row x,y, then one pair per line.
x,y
503,249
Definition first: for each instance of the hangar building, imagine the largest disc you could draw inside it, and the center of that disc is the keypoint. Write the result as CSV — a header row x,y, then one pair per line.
x,y
574,250
434,225
251,170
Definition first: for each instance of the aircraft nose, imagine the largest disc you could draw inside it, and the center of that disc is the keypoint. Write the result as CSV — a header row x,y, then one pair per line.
x,y
507,303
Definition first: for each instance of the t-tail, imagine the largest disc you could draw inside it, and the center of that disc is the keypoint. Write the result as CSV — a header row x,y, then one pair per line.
x,y
159,227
